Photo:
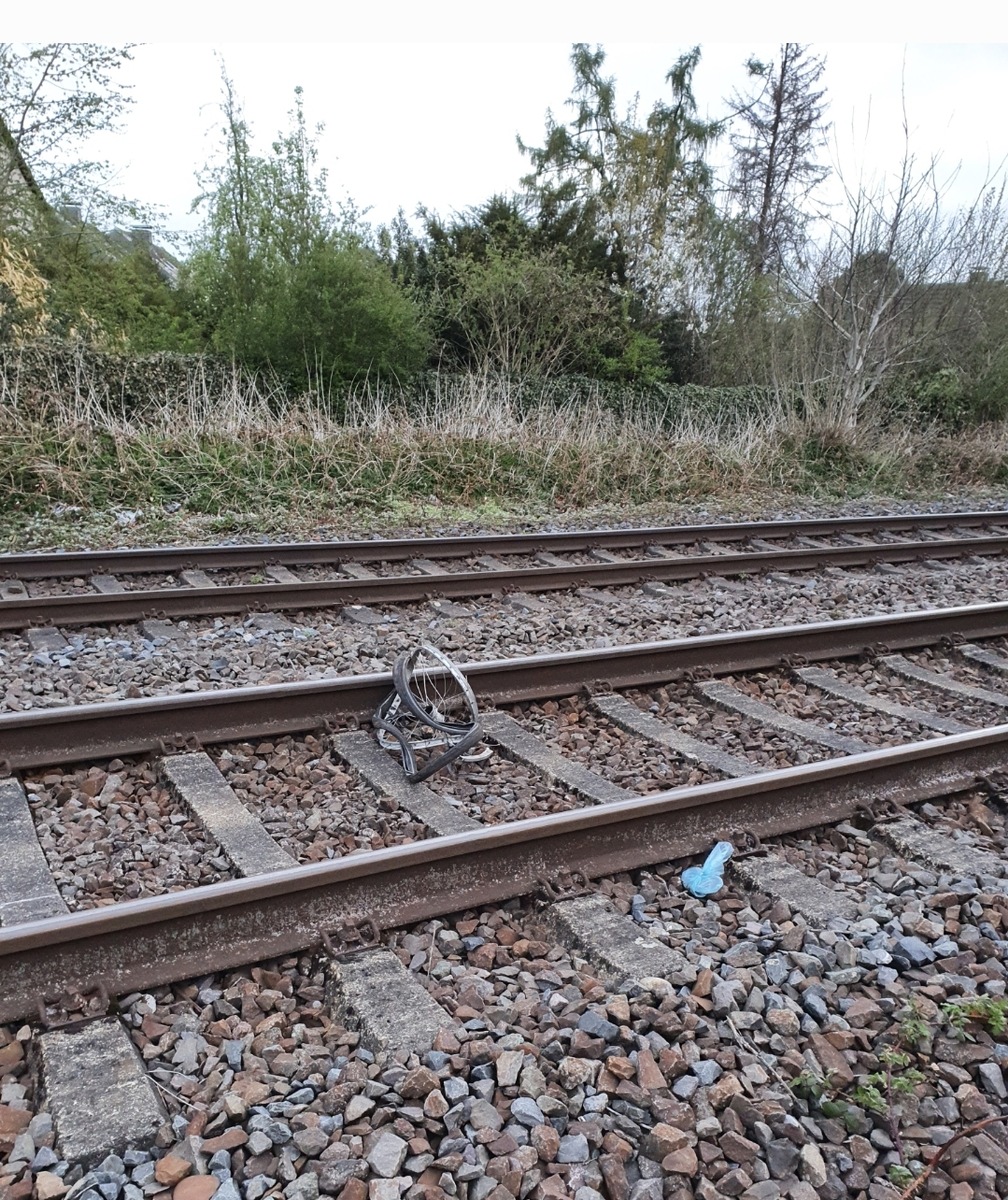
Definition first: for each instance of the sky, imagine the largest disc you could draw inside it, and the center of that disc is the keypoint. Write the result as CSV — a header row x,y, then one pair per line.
x,y
415,112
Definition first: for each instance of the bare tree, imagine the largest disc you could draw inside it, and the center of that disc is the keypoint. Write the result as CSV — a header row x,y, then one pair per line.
x,y
776,166
888,281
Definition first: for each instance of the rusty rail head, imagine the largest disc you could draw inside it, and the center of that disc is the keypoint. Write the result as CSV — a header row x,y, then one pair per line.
x,y
38,565
74,732
141,943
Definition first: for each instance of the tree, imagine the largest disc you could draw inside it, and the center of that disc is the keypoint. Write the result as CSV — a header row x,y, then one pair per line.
x,y
280,281
504,223
243,240
775,164
53,97
107,290
504,291
645,187
888,283
527,313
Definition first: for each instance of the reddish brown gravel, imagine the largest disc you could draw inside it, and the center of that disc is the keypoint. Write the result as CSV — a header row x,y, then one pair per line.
x,y
310,802
765,748
119,834
574,729
498,790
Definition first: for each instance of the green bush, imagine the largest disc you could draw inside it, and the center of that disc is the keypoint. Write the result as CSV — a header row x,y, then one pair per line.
x,y
533,313
108,293
989,395
333,314
951,398
281,283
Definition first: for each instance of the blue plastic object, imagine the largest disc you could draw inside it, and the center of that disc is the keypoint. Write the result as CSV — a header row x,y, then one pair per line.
x,y
708,879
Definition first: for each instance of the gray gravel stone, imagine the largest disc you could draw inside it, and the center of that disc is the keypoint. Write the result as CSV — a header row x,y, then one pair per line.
x,y
334,1176
23,1149
707,1071
646,1189
234,1052
387,1155
44,1159
782,1158
527,1112
483,1115
305,1187
992,1079
573,1149
813,1166
912,952
259,1142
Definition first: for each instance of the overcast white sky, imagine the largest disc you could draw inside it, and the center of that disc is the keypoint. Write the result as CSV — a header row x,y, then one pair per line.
x,y
428,117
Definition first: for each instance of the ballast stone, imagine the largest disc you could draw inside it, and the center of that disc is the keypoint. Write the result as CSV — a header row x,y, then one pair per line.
x,y
912,952
387,1154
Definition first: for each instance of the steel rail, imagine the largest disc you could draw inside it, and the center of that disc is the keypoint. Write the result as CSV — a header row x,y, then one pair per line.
x,y
71,733
43,565
100,608
139,944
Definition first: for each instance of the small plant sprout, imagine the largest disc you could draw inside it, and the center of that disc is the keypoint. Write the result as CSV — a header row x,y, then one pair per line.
x,y
989,1012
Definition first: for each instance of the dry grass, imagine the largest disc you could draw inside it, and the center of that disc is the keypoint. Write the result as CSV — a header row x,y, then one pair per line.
x,y
245,448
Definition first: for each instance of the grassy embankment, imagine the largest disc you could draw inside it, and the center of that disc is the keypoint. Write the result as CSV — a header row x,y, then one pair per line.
x,y
240,459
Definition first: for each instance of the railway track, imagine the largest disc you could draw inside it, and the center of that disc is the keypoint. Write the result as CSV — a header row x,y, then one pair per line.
x,y
280,907
173,582
821,693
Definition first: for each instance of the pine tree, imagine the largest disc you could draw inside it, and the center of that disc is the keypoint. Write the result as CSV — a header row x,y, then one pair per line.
x,y
776,168
644,186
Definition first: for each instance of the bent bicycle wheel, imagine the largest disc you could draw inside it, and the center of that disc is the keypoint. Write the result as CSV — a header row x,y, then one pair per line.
x,y
432,709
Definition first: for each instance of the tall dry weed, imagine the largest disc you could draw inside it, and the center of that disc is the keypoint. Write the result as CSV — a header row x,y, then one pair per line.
x,y
238,442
